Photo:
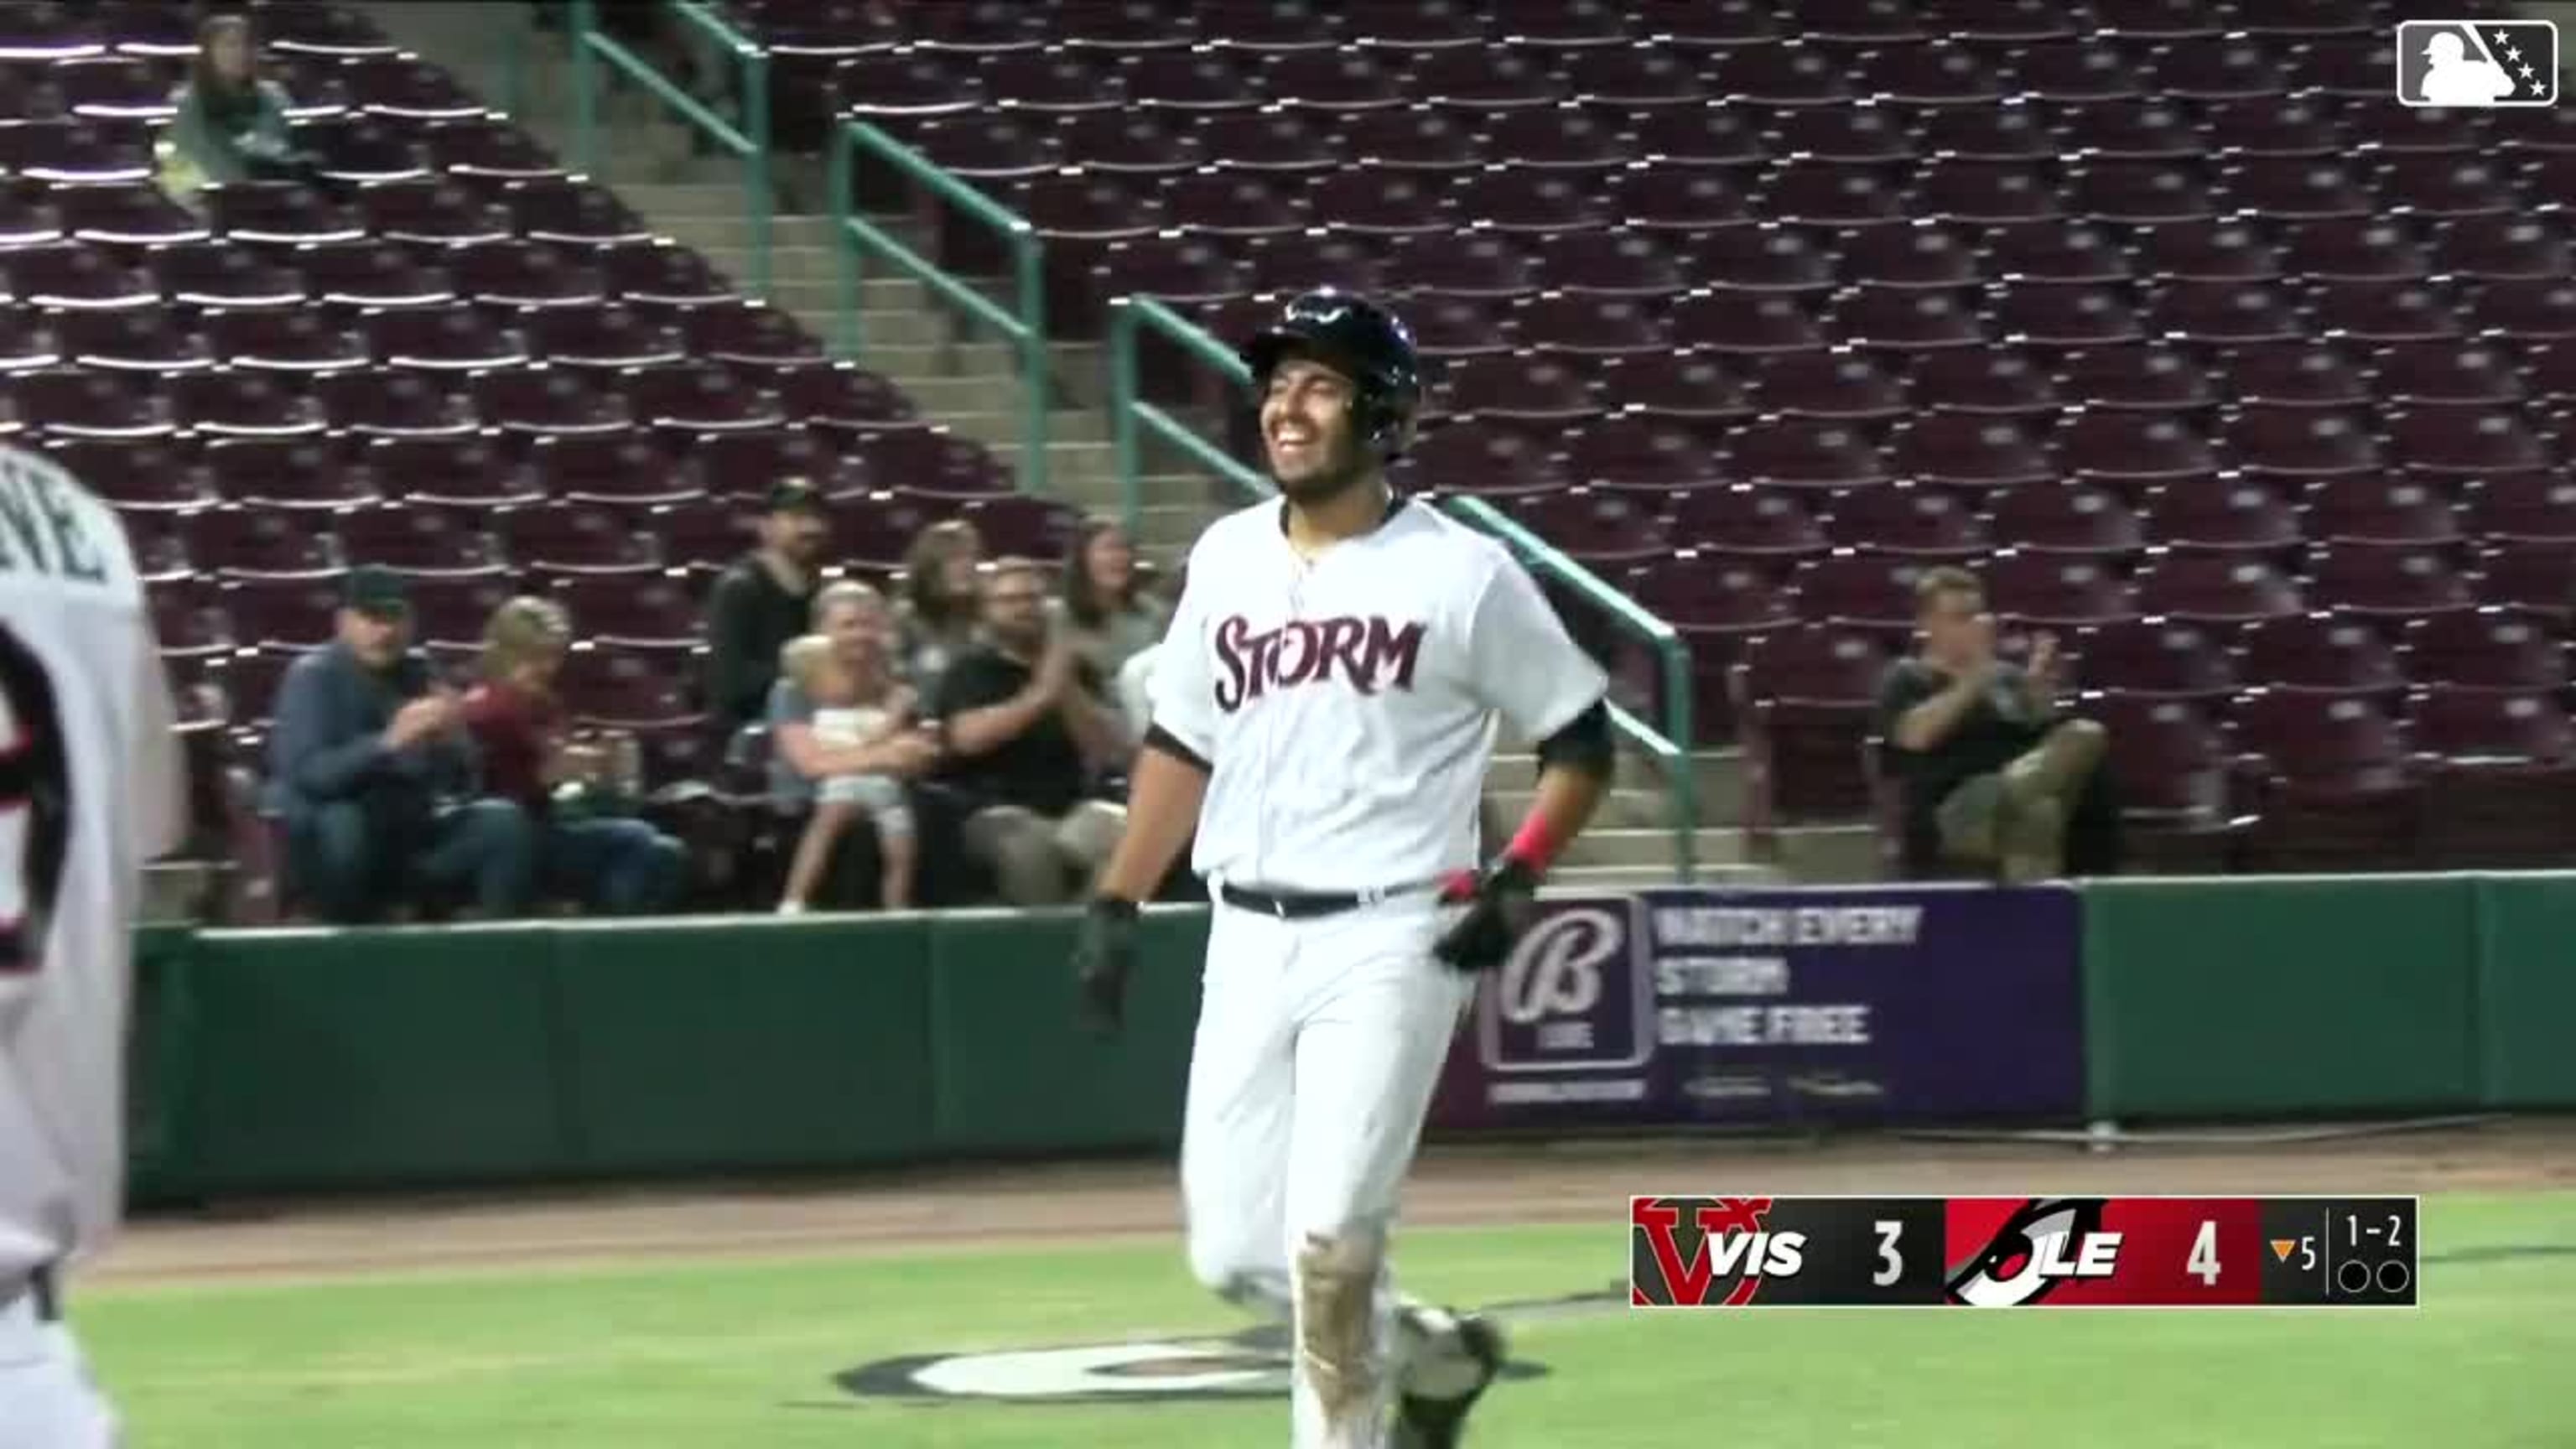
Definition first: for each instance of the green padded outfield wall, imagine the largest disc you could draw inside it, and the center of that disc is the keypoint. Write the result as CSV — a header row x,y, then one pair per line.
x,y
322,1059
311,1060
1009,1077
2527,989
2281,997
767,1043
293,1060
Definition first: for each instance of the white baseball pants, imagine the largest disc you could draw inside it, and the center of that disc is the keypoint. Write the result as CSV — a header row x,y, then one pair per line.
x,y
47,1400
1319,1043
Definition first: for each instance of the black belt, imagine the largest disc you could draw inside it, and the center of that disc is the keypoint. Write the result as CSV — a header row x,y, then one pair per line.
x,y
1306,905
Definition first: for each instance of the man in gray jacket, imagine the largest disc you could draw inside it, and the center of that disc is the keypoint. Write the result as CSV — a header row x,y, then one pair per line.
x,y
373,773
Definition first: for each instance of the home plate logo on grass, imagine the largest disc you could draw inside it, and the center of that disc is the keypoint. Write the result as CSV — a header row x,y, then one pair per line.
x,y
1249,1364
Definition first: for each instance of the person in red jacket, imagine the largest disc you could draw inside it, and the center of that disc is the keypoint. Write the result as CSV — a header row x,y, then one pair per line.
x,y
610,864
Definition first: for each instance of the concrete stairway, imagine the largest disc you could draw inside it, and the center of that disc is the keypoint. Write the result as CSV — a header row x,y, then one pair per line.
x,y
967,382
971,385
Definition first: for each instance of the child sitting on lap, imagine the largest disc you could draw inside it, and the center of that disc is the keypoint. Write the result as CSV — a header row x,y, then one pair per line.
x,y
853,707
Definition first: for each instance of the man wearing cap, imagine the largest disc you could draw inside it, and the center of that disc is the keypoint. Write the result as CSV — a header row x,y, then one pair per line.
x,y
763,601
375,777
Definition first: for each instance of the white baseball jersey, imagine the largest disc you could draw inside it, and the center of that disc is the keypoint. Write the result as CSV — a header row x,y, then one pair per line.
x,y
1347,706
90,788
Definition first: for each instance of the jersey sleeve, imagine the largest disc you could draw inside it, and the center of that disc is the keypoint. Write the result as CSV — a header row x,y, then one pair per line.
x,y
1179,689
1523,661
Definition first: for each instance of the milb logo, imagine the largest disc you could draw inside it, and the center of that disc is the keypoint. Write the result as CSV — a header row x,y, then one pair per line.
x,y
2477,64
1730,1252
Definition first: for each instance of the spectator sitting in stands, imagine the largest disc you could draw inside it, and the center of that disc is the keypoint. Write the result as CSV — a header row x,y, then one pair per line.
x,y
937,623
611,864
803,761
230,125
1111,616
373,772
1991,768
762,601
856,703
1026,731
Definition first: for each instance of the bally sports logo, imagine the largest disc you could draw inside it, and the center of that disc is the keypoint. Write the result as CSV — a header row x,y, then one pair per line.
x,y
1699,1252
1572,997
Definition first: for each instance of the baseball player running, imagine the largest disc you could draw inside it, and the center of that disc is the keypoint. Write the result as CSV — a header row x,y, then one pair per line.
x,y
90,788
1323,709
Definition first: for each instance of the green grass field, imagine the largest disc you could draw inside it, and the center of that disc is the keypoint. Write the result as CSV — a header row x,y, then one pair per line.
x,y
744,1356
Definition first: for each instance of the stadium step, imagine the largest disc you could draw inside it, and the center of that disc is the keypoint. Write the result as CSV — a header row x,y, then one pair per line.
x,y
1573,878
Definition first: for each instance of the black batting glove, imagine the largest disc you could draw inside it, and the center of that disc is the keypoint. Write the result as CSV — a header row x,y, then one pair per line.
x,y
1501,904
1104,953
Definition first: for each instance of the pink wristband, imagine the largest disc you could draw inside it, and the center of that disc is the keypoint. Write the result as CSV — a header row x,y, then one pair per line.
x,y
1535,846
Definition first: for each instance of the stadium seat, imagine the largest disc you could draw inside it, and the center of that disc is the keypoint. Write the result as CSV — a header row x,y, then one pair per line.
x,y
1912,256
413,539
1863,589
1836,384
1806,452
563,538
237,540
621,612
621,466
300,472
2372,508
2400,580
1969,450
1742,523
2339,790
1924,521
2484,648
465,471
2056,590
1469,458
2153,376
2053,517
2159,657
2500,776
2170,768
2213,588
2537,505
2001,381
2300,373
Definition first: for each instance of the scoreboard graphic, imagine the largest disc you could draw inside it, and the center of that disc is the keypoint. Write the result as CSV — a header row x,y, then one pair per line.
x,y
2022,1252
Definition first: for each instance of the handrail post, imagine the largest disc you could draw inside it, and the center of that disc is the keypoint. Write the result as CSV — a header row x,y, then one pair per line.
x,y
846,254
1679,725
1122,415
1031,266
585,86
513,82
1022,321
762,199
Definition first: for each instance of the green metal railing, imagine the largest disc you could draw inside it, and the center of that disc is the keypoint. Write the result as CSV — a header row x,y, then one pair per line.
x,y
510,74
750,143
1131,417
1024,326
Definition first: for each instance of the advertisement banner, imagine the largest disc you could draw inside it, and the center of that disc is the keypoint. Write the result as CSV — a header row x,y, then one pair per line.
x,y
1896,1004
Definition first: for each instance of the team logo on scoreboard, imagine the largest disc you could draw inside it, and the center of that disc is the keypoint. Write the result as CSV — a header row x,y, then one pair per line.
x,y
2044,1244
1699,1252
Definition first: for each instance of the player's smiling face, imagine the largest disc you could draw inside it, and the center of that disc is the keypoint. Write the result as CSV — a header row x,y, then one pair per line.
x,y
1306,426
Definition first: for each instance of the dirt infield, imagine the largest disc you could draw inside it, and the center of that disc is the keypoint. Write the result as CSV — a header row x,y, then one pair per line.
x,y
1584,1181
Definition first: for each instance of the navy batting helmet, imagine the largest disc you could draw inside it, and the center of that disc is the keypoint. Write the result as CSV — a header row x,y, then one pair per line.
x,y
1363,339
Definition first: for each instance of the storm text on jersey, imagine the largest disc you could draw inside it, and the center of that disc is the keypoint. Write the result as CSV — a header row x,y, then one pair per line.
x,y
1367,654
